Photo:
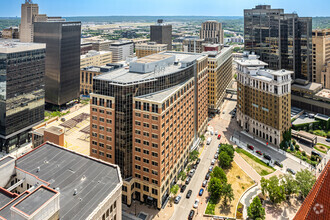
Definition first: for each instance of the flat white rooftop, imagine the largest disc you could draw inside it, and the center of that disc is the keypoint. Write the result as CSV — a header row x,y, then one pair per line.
x,y
14,46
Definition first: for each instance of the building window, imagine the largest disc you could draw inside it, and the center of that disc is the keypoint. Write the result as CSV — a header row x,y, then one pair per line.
x,y
146,106
137,105
154,191
154,108
146,188
154,145
109,103
94,101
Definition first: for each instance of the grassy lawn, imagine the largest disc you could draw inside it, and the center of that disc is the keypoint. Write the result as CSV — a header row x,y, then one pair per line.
x,y
258,165
321,147
240,182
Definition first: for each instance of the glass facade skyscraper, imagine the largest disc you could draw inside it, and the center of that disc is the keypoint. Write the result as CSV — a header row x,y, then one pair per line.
x,y
22,94
62,78
284,41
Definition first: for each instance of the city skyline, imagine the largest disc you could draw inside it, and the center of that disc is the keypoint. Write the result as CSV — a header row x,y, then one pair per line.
x,y
151,8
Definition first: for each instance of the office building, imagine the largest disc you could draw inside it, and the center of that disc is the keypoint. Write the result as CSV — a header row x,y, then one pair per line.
x,y
161,34
193,45
85,47
325,76
121,50
10,33
147,118
51,182
146,49
28,13
321,56
220,74
43,134
22,92
263,99
95,58
284,41
87,74
211,32
101,45
63,59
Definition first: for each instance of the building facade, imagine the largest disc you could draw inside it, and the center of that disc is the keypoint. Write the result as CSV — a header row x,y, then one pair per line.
x,y
220,75
147,118
95,58
325,76
10,33
161,34
212,32
22,92
146,49
28,13
121,50
63,59
193,45
321,55
263,99
284,41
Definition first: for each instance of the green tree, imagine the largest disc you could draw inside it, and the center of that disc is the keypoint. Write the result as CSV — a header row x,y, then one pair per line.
x,y
229,149
224,160
289,184
193,155
305,181
174,189
227,193
215,188
255,210
273,188
182,176
220,174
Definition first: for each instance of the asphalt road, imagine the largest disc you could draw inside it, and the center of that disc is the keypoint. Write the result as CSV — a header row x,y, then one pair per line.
x,y
182,209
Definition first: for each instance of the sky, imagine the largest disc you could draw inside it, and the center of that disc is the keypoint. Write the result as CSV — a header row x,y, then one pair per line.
x,y
67,8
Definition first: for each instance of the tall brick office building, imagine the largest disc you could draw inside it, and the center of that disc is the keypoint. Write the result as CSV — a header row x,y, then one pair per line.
x,y
147,118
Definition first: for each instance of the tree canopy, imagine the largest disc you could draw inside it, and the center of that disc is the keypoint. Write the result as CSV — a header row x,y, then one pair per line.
x,y
220,174
255,210
224,160
305,181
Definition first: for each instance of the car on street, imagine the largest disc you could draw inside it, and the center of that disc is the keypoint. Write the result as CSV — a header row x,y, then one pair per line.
x,y
191,214
267,157
216,156
233,116
191,172
219,136
211,132
196,203
198,160
278,163
210,168
188,180
218,150
204,183
259,152
327,140
250,147
201,192
216,133
177,199
224,112
291,171
207,176
183,188
208,141
189,193
212,162
195,166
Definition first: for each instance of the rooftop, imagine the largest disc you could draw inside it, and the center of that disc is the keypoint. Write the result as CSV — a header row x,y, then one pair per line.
x,y
93,53
153,58
124,76
325,93
14,46
6,160
310,87
250,60
67,170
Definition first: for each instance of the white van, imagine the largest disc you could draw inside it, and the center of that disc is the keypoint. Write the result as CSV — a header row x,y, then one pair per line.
x,y
208,141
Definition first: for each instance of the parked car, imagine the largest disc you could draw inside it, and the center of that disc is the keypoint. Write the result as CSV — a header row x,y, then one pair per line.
x,y
210,168
207,176
216,133
212,162
177,199
204,183
191,214
250,147
233,116
259,152
191,172
188,180
224,112
195,166
291,171
327,140
196,203
198,160
278,163
218,150
219,136
189,193
201,192
211,132
267,157
219,145
183,188
216,156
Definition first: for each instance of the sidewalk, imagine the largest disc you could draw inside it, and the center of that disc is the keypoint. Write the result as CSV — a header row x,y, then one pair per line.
x,y
247,168
246,200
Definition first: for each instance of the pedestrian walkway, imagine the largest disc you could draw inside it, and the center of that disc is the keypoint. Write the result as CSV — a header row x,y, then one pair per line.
x,y
247,168
247,198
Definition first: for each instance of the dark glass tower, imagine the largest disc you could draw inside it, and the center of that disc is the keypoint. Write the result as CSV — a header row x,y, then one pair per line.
x,y
161,34
62,76
284,41
22,94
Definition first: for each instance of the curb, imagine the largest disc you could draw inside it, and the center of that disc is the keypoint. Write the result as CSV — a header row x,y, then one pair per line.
x,y
243,195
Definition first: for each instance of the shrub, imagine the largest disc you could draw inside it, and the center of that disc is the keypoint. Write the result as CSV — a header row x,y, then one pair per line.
x,y
303,153
313,158
294,141
296,147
